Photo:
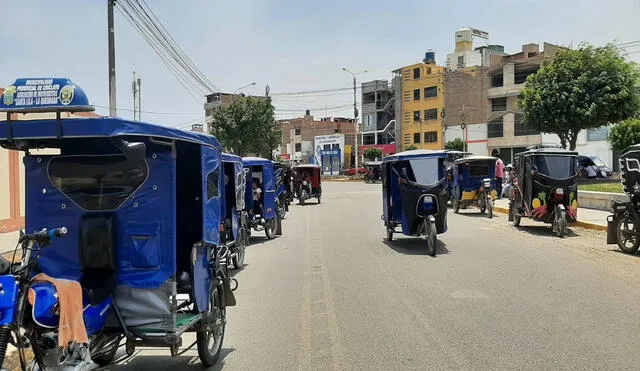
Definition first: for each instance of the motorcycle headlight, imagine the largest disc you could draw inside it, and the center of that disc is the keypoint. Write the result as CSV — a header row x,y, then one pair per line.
x,y
486,183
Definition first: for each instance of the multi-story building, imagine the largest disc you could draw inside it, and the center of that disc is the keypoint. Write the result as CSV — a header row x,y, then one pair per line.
x,y
378,116
299,137
421,104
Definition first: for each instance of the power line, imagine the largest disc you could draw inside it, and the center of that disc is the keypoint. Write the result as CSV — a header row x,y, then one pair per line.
x,y
154,113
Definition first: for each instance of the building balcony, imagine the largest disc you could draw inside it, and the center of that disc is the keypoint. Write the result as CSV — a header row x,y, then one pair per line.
x,y
504,91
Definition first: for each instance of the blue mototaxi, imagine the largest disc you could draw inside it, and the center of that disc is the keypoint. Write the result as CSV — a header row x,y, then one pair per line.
x,y
260,173
473,179
134,215
415,194
282,198
234,230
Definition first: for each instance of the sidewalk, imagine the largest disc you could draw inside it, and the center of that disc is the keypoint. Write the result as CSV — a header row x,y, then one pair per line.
x,y
587,218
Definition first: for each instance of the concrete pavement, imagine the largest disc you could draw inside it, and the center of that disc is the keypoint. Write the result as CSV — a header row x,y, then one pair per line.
x,y
331,293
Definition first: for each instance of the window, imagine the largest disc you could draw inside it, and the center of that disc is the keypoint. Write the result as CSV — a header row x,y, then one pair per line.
x,y
431,137
461,61
499,104
297,131
478,170
521,73
298,147
326,146
416,115
427,170
212,184
521,128
416,138
598,134
431,114
558,167
497,80
431,92
97,182
335,146
495,129
416,73
416,94
428,70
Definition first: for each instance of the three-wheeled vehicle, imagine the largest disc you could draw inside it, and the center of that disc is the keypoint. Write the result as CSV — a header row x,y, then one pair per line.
x,y
129,212
374,171
307,182
452,156
545,187
623,225
260,198
415,194
234,230
473,178
282,198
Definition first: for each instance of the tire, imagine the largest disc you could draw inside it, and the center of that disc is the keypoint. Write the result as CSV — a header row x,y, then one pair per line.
x,y
560,222
270,228
517,218
319,199
238,260
623,241
105,358
456,205
389,234
281,208
278,226
432,238
303,197
207,352
489,207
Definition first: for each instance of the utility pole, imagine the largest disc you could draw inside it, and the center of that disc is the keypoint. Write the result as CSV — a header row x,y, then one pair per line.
x,y
139,81
134,89
112,59
355,119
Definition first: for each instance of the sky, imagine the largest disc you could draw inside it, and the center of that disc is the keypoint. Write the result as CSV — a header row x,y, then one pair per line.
x,y
289,45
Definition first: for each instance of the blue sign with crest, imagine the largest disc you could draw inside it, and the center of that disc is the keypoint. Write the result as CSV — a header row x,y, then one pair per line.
x,y
44,95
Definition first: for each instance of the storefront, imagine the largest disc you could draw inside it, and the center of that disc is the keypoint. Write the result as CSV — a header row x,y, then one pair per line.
x,y
330,148
387,149
330,161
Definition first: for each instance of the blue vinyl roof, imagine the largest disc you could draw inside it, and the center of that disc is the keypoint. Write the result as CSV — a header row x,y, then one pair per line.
x,y
256,161
99,127
228,157
416,153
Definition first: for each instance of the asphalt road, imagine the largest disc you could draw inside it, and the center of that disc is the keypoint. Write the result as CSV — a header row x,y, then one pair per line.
x,y
333,294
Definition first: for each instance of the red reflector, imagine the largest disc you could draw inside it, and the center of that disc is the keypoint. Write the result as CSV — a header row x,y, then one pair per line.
x,y
221,227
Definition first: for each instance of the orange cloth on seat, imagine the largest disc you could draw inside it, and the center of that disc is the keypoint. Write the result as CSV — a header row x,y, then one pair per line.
x,y
71,326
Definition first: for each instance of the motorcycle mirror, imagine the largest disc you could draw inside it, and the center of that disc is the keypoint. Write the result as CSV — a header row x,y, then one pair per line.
x,y
135,151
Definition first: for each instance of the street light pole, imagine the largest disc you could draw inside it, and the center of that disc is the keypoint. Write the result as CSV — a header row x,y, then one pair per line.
x,y
242,87
112,59
355,117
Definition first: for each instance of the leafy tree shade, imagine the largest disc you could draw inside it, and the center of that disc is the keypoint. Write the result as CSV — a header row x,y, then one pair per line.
x,y
625,134
580,89
372,153
456,145
410,148
247,127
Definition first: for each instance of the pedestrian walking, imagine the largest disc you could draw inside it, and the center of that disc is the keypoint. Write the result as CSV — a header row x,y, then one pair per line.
x,y
499,171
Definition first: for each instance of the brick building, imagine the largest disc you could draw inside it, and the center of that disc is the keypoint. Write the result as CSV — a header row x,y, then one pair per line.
x,y
298,136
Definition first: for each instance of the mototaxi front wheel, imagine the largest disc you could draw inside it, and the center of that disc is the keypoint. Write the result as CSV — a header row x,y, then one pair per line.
x,y
627,231
489,207
456,205
105,357
270,228
432,237
560,222
209,339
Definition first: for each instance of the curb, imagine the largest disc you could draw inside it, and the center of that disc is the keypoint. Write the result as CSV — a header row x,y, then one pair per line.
x,y
585,225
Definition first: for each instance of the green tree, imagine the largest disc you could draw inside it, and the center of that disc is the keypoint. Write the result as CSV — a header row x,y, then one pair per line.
x,y
625,134
456,145
247,127
580,89
410,148
372,153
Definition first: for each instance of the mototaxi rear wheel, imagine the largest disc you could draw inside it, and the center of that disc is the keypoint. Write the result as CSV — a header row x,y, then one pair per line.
x,y
238,259
209,339
627,231
270,228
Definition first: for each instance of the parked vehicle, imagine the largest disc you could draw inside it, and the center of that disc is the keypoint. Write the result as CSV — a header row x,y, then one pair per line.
x,y
593,167
352,171
260,198
234,231
282,197
415,194
473,179
623,225
374,171
138,207
545,187
308,182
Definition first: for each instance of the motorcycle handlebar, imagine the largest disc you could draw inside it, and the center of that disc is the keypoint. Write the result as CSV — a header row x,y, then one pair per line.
x,y
45,235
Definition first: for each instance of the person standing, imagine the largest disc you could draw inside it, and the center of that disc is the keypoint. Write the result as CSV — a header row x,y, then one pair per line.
x,y
499,171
